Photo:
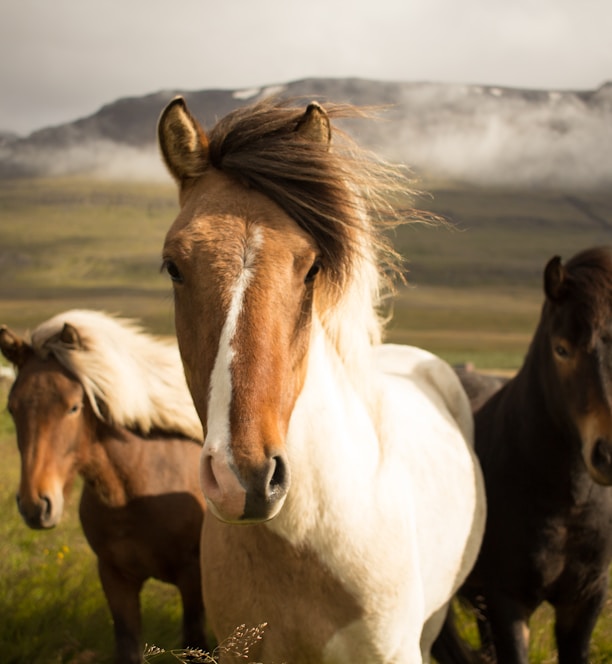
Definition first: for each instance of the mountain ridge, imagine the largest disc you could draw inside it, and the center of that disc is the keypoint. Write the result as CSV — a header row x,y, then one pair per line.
x,y
478,134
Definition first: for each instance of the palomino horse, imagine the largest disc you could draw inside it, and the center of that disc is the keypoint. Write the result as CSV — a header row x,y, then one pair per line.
x,y
95,395
545,445
348,500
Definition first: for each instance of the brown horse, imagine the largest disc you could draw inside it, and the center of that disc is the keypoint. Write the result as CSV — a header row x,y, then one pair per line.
x,y
347,500
545,444
95,395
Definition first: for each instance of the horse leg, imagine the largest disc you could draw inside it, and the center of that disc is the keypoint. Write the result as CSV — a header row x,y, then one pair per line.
x,y
123,597
509,628
574,624
190,586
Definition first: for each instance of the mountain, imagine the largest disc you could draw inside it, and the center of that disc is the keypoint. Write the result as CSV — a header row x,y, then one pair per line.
x,y
473,134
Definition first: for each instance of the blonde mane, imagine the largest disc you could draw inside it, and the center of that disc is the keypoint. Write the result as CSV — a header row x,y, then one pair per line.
x,y
131,378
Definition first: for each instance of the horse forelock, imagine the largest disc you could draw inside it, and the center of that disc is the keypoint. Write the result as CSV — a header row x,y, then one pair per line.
x,y
589,284
339,194
132,379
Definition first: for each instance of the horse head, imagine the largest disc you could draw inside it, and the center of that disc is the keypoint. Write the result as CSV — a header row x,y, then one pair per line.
x,y
269,234
237,258
47,407
577,317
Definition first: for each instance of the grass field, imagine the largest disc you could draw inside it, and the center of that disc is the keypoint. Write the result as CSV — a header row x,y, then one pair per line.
x,y
474,294
474,287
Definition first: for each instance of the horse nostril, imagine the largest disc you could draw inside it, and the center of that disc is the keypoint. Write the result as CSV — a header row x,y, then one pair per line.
x,y
602,455
208,477
38,513
267,488
279,479
45,507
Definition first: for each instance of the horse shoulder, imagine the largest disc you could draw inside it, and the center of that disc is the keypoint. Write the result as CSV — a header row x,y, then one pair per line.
x,y
164,505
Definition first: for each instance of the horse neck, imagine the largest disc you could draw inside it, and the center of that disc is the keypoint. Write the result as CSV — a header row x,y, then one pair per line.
x,y
354,326
107,464
345,371
331,427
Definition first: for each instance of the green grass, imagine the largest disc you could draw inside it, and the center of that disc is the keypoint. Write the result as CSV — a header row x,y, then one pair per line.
x,y
542,649
474,294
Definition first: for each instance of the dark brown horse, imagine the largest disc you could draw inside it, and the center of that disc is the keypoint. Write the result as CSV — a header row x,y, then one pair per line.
x,y
545,444
96,396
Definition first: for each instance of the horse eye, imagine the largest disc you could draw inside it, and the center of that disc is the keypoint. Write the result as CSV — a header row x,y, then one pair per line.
x,y
561,351
74,409
173,272
312,273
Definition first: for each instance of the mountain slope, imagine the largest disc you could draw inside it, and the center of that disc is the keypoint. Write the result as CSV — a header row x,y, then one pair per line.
x,y
476,134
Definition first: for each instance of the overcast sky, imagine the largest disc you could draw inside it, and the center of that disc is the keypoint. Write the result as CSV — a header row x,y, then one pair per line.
x,y
63,59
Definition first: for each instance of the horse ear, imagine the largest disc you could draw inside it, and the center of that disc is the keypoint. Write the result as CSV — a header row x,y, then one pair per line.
x,y
554,279
182,141
15,349
70,336
314,125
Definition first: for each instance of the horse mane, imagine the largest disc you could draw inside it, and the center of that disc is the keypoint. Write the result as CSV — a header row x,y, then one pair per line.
x,y
341,194
131,378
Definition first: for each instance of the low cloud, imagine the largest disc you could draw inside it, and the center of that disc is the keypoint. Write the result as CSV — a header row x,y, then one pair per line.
x,y
472,134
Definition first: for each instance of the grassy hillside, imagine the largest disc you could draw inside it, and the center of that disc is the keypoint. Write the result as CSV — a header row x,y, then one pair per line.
x,y
94,244
474,286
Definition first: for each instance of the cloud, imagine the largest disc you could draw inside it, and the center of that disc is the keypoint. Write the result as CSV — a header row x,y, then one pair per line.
x,y
65,59
473,134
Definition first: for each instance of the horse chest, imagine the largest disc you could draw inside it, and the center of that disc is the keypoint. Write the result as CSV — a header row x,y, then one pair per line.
x,y
565,551
547,537
572,556
252,575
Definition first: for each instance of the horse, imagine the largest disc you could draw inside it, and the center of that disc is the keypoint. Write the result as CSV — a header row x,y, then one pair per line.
x,y
479,386
345,502
97,396
544,441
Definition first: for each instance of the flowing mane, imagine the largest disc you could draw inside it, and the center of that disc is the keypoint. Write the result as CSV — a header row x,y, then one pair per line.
x,y
131,378
340,194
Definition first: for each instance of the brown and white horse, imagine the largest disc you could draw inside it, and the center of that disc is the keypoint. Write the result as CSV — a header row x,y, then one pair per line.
x,y
348,501
97,396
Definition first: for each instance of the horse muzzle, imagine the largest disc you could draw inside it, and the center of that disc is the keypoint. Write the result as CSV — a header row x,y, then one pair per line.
x,y
41,513
254,496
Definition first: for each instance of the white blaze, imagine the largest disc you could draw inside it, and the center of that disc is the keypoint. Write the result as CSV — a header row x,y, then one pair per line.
x,y
219,401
